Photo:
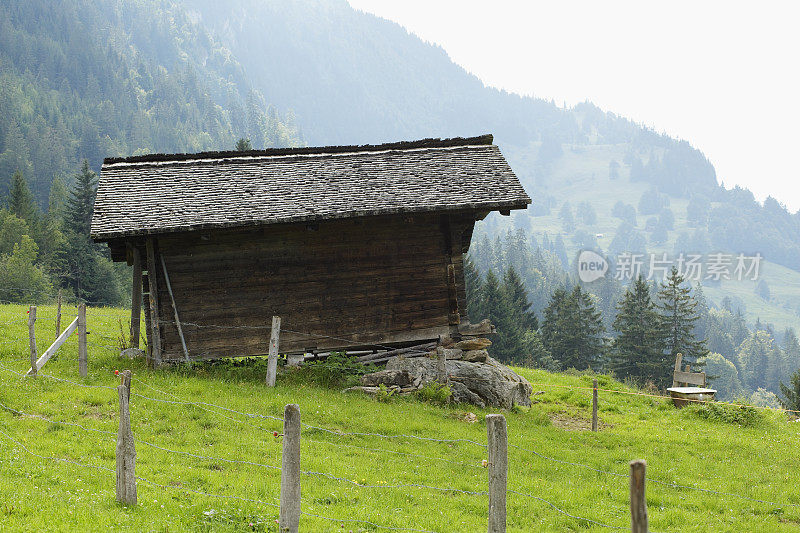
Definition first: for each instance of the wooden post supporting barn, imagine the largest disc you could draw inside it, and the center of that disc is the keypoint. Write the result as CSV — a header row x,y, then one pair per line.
x,y
136,296
272,362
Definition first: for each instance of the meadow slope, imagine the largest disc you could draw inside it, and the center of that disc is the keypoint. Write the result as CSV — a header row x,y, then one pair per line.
x,y
207,450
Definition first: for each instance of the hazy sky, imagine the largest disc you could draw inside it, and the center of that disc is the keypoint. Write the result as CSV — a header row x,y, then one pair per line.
x,y
724,76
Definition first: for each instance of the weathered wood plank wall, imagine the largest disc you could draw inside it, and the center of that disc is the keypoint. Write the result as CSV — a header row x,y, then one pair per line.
x,y
373,280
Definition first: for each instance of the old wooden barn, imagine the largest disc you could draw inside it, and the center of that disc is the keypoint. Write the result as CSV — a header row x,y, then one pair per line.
x,y
352,246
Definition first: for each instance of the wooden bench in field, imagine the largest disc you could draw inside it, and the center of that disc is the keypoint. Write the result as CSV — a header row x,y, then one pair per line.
x,y
688,386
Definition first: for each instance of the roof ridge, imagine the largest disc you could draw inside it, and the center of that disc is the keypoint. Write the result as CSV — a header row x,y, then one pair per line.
x,y
430,142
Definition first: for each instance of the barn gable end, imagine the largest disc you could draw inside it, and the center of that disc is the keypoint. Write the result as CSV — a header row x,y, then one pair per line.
x,y
354,247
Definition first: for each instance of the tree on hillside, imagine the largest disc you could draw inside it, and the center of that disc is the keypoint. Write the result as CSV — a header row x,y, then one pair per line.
x,y
791,393
678,314
572,330
80,203
567,219
625,212
20,200
243,145
638,350
519,305
791,347
725,377
587,213
474,285
754,358
89,273
20,279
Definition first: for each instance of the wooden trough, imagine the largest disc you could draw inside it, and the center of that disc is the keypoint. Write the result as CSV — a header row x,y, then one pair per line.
x,y
682,392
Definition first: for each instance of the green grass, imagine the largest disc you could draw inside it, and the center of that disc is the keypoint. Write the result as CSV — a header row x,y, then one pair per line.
x,y
749,455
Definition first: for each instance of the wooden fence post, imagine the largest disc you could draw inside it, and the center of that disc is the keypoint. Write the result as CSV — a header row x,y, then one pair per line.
x,y
82,358
441,366
594,405
126,448
638,502
58,315
289,516
32,338
272,362
498,471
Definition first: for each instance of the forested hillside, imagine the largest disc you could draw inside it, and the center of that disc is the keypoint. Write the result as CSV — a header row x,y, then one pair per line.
x,y
81,80
88,79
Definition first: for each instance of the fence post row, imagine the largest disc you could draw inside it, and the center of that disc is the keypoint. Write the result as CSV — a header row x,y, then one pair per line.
x,y
638,502
272,362
594,405
126,448
289,516
82,356
32,338
497,435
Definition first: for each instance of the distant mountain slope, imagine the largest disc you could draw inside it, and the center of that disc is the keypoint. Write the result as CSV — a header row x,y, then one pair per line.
x,y
352,77
96,78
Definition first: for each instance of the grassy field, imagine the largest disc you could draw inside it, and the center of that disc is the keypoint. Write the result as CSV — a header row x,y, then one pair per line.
x,y
390,480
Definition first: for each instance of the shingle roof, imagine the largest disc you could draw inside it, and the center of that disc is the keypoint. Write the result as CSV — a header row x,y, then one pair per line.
x,y
161,193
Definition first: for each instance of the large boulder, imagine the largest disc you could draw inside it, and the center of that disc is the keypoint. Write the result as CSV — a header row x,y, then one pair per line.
x,y
386,377
480,383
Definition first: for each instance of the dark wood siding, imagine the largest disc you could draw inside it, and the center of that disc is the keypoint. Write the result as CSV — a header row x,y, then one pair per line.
x,y
347,283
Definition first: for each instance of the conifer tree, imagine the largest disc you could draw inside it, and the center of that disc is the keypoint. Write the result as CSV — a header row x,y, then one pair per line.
x,y
791,393
638,350
518,300
80,204
20,199
572,330
590,349
474,288
678,315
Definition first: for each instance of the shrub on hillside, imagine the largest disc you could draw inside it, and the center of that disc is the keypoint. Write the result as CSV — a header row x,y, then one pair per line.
x,y
336,370
741,415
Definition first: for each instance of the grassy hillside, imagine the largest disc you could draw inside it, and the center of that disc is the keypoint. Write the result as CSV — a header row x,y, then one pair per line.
x,y
364,459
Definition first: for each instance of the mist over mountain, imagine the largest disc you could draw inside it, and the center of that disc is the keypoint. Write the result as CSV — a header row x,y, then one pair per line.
x,y
97,78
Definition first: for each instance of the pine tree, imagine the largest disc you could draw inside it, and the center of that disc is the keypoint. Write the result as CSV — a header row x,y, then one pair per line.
x,y
518,300
80,204
474,289
590,347
791,347
20,199
572,330
678,315
638,351
243,145
791,394
495,307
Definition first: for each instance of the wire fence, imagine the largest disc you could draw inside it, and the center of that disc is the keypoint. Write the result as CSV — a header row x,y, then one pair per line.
x,y
244,418
226,412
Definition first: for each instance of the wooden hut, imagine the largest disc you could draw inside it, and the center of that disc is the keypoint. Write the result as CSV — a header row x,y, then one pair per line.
x,y
352,246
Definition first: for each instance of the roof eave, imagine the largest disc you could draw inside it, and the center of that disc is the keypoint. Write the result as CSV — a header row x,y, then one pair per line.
x,y
490,206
